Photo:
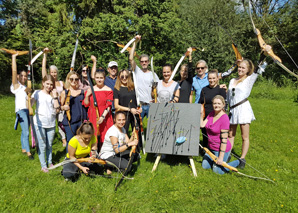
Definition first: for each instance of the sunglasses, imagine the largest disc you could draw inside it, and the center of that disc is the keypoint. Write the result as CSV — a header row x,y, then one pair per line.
x,y
144,61
73,79
200,68
233,92
84,70
124,77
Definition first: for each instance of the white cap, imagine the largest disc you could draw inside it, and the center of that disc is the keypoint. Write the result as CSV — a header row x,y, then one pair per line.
x,y
112,63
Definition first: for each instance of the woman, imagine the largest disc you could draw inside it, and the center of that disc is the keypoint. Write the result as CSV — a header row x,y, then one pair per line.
x,y
186,94
207,94
217,127
59,85
167,91
104,98
47,106
80,146
75,112
18,88
84,83
116,144
240,110
125,98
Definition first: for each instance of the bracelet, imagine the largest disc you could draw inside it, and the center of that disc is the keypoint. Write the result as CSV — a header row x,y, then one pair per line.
x,y
103,117
127,145
222,151
55,98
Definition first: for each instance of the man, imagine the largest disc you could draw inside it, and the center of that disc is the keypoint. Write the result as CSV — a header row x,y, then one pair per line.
x,y
201,79
144,78
112,77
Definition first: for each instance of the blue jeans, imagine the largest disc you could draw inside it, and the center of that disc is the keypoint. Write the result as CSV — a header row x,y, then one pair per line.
x,y
145,111
24,122
45,137
208,163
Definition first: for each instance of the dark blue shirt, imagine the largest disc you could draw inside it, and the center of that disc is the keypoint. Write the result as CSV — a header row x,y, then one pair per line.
x,y
110,82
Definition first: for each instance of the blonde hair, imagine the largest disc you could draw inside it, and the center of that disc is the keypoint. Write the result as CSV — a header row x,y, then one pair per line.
x,y
48,77
220,98
67,84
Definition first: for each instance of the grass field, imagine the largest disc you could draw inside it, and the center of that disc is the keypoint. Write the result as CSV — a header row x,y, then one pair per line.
x,y
172,188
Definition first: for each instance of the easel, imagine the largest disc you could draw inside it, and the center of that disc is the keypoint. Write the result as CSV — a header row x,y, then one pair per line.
x,y
192,164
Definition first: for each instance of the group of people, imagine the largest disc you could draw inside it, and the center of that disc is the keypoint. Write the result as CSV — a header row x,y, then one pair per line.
x,y
94,120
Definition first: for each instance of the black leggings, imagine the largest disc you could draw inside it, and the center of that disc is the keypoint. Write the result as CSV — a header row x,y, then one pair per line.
x,y
121,160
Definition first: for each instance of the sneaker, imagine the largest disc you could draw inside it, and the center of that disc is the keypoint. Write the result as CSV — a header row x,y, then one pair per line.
x,y
242,163
44,169
31,157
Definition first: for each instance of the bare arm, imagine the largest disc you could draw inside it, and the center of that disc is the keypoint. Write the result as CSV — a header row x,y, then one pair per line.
x,y
176,96
93,58
223,145
116,146
44,65
203,122
14,71
132,52
71,152
191,97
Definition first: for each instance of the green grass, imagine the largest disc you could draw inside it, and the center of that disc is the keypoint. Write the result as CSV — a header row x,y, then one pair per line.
x,y
172,187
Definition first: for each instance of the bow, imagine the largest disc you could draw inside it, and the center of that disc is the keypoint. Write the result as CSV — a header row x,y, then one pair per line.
x,y
131,154
29,86
267,49
224,164
234,45
88,160
155,82
179,62
95,103
74,54
12,52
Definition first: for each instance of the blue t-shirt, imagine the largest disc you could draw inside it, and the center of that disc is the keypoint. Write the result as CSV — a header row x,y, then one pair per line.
x,y
198,85
110,83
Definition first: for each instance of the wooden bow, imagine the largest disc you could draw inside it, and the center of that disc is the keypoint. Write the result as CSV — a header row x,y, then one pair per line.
x,y
13,52
224,164
267,49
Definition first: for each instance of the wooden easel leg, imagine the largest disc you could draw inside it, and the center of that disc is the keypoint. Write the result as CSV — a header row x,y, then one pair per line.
x,y
192,164
156,162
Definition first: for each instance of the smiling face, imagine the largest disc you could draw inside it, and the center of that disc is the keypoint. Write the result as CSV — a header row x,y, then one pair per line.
x,y
74,81
99,79
120,120
243,69
166,72
113,71
22,77
213,80
201,69
54,73
84,72
48,86
124,77
144,61
218,104
184,72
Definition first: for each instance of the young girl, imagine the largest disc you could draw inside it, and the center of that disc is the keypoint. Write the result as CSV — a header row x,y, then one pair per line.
x,y
240,108
80,146
125,98
59,85
116,143
74,109
104,97
18,89
217,127
47,106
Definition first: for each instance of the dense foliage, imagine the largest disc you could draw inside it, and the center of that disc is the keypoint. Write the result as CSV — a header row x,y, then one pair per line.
x,y
168,27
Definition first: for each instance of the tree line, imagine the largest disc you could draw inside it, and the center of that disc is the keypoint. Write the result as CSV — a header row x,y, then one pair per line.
x,y
167,27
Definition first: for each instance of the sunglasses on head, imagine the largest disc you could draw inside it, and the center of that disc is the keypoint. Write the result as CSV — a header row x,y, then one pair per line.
x,y
74,79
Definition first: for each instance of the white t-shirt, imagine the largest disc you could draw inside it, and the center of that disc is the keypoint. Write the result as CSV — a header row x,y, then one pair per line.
x,y
107,147
144,81
20,100
45,113
165,94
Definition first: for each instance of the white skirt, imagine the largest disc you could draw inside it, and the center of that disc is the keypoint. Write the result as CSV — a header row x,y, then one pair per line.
x,y
242,114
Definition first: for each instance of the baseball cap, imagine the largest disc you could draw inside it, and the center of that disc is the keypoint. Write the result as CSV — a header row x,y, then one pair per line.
x,y
112,63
